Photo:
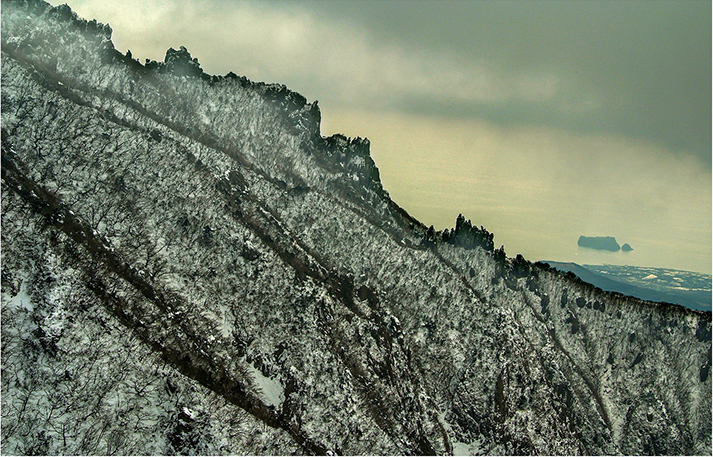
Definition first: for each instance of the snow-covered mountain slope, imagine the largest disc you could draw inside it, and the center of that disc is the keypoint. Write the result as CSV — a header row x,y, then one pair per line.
x,y
189,267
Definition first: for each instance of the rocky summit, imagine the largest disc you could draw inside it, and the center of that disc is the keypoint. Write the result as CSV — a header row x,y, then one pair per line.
x,y
189,267
600,243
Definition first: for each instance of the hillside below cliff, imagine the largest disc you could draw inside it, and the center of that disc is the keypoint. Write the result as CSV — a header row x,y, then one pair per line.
x,y
189,267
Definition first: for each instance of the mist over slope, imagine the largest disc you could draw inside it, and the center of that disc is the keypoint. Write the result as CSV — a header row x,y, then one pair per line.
x,y
190,267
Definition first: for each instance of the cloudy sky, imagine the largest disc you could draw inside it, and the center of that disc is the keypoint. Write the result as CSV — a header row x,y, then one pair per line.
x,y
541,121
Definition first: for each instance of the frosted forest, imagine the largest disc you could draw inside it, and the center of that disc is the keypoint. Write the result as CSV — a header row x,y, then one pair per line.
x,y
189,267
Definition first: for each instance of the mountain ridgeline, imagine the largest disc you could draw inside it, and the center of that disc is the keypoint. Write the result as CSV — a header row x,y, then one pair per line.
x,y
190,267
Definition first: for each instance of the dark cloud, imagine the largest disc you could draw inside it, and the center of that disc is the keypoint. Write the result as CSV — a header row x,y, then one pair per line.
x,y
639,69
643,67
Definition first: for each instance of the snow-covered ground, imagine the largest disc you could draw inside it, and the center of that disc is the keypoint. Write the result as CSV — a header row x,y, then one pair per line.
x,y
188,267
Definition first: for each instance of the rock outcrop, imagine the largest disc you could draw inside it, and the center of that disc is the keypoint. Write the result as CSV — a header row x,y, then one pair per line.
x,y
600,243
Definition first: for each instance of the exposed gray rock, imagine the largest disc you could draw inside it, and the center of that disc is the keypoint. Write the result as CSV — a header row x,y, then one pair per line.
x,y
600,243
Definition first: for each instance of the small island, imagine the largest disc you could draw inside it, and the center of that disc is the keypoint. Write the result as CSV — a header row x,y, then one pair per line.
x,y
600,243
626,248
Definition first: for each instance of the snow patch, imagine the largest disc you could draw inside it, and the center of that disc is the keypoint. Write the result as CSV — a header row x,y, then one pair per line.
x,y
472,448
271,391
22,299
189,412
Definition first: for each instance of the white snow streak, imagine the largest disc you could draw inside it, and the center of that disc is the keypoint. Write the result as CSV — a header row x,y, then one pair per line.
x,y
271,390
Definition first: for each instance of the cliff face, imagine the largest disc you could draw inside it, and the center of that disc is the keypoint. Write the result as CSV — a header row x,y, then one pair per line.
x,y
188,266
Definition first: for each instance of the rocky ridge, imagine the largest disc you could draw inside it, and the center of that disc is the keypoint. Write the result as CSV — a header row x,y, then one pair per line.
x,y
601,243
190,267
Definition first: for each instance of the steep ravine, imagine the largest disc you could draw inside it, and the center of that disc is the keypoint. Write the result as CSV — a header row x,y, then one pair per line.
x,y
189,267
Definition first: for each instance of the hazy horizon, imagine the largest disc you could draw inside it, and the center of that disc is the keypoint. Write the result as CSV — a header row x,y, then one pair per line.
x,y
541,121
